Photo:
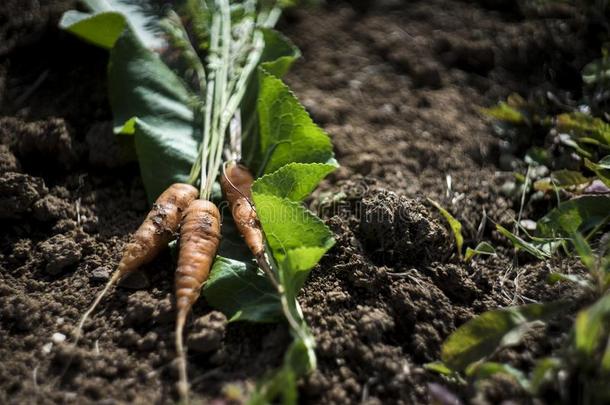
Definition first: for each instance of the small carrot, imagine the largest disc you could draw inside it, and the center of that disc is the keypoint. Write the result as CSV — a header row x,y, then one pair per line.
x,y
152,237
199,240
236,184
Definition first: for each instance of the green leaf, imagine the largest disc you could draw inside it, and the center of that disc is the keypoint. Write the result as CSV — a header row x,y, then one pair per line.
x,y
150,101
584,251
482,248
569,178
241,292
297,240
572,278
520,243
279,53
543,371
101,29
454,224
504,112
605,362
584,126
480,336
580,214
288,225
597,72
109,18
282,382
287,133
561,179
480,371
439,367
601,169
591,326
294,181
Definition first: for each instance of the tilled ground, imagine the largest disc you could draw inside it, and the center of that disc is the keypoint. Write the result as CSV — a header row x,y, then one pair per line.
x,y
398,87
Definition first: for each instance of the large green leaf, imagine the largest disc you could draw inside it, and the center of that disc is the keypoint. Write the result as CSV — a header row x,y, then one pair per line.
x,y
577,215
287,133
294,181
480,336
150,101
288,225
277,57
109,18
241,292
279,53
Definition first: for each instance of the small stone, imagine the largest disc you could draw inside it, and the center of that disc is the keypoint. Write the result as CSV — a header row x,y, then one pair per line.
x,y
58,338
46,349
100,274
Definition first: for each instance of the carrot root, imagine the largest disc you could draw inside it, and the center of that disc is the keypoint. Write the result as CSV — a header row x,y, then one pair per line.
x,y
199,240
113,280
236,183
183,385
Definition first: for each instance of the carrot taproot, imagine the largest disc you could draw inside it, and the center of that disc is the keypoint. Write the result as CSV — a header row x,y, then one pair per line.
x,y
153,235
199,241
236,184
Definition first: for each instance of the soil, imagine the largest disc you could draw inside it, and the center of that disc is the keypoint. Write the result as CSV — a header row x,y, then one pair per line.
x,y
398,86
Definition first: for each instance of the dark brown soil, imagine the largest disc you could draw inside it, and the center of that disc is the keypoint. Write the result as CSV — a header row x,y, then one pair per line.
x,y
398,88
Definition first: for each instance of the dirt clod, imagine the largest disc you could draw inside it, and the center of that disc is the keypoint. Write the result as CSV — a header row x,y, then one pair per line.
x,y
140,308
400,229
47,140
207,332
8,161
18,192
59,253
52,208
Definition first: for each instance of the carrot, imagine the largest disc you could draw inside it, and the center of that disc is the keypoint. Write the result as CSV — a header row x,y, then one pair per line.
x,y
199,240
236,184
152,236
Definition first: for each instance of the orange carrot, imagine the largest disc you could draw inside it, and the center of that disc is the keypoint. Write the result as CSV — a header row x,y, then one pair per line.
x,y
199,240
157,230
236,184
